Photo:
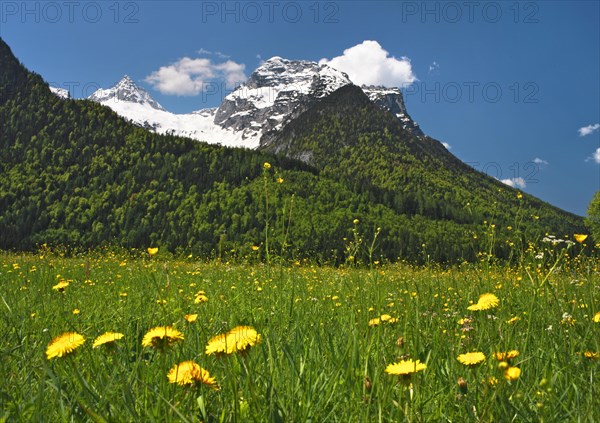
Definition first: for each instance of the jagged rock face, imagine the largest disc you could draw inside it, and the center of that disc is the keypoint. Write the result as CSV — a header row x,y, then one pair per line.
x,y
125,90
277,92
391,99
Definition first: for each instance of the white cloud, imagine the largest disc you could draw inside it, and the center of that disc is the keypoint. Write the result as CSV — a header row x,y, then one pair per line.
x,y
448,146
434,67
189,76
596,156
205,52
514,182
587,130
369,64
540,162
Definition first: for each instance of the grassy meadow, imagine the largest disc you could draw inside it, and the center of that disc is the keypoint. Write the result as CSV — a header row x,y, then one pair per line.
x,y
327,336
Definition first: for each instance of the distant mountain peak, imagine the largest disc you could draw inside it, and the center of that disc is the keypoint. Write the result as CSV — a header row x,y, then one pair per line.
x,y
275,93
126,90
60,92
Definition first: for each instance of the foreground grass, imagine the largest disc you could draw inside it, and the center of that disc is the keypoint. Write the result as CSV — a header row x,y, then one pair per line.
x,y
319,360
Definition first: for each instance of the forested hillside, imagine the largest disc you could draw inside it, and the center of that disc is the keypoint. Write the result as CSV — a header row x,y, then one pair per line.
x,y
74,173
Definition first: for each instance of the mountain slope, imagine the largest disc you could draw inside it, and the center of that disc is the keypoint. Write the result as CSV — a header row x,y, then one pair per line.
x,y
350,138
75,173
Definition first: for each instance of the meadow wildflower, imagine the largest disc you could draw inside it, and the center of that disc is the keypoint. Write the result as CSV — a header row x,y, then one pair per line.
x,y
161,337
405,367
376,321
505,356
64,344
152,251
237,339
280,180
580,238
61,286
267,165
596,317
485,302
191,318
107,338
591,355
201,297
512,373
471,359
190,373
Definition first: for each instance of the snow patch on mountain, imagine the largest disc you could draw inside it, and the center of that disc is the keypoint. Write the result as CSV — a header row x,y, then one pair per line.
x,y
125,91
60,92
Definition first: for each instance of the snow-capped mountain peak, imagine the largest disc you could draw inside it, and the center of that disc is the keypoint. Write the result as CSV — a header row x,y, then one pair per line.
x,y
60,92
276,92
125,90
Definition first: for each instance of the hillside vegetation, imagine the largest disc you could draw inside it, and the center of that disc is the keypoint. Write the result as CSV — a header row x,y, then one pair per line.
x,y
76,174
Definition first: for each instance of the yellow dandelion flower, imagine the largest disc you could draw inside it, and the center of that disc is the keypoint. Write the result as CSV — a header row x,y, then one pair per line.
x,y
191,318
388,319
255,248
64,344
161,337
591,355
471,359
512,373
152,251
280,180
596,317
200,298
107,338
375,321
405,367
580,238
76,311
189,373
485,302
237,339
504,356
267,165
60,286
356,221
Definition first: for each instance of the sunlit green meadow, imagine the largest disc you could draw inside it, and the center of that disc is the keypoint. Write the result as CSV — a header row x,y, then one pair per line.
x,y
322,356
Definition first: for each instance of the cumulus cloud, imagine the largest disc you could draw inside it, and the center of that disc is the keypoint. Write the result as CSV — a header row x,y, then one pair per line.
x,y
189,76
587,130
540,162
596,156
369,64
514,182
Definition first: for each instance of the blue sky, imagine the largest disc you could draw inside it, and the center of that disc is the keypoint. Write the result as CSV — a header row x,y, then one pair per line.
x,y
512,87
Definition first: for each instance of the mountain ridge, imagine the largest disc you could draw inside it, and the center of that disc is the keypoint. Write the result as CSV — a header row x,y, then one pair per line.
x,y
77,174
274,94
